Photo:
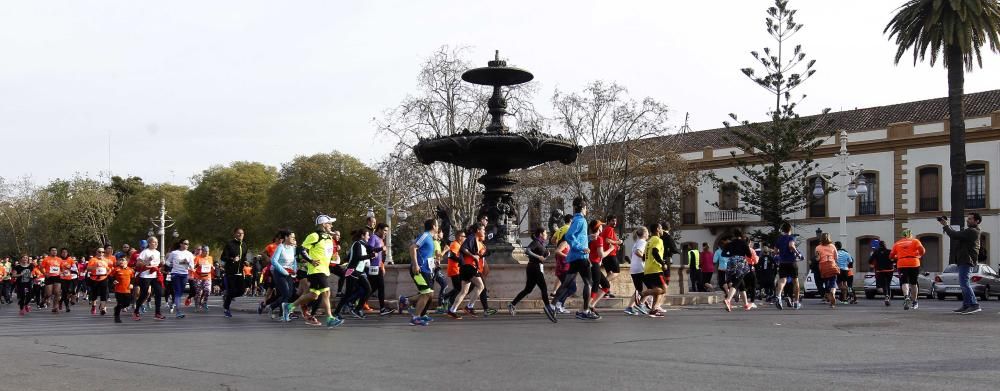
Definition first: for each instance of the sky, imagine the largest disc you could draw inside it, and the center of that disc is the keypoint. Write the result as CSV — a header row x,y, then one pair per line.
x,y
172,88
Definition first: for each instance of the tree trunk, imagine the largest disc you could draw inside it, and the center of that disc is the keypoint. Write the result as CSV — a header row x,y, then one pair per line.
x,y
956,121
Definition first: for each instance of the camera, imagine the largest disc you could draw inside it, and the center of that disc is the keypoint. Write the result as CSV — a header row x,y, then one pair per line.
x,y
942,218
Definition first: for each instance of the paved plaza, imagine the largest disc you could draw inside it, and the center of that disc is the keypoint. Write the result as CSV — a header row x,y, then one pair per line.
x,y
864,346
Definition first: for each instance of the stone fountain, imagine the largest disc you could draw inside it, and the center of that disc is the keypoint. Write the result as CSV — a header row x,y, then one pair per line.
x,y
498,151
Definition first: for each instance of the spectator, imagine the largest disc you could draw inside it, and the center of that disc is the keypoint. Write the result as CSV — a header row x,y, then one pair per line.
x,y
966,256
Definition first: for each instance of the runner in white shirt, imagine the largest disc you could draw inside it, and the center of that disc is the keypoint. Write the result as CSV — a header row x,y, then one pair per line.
x,y
636,264
148,265
180,262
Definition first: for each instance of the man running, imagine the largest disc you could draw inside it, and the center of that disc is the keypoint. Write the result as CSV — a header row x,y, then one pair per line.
x,y
148,267
907,252
68,278
845,280
232,256
318,250
421,256
612,244
653,265
788,255
98,270
579,264
52,267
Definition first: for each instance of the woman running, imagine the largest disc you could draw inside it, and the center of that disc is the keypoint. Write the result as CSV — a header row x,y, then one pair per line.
x,y
148,267
737,252
180,261
99,268
283,265
636,264
204,270
358,261
826,254
472,250
22,275
535,275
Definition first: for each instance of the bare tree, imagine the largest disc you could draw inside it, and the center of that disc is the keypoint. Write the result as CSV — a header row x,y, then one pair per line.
x,y
20,203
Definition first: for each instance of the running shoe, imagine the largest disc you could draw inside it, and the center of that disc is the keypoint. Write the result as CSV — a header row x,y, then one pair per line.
x,y
753,306
204,307
104,311
728,303
402,303
453,315
440,310
906,303
581,315
643,309
159,317
608,295
358,313
260,308
227,313
550,313
286,311
972,309
22,312
311,321
511,309
118,320
67,308
489,311
93,311
562,310
143,308
960,309
136,317
333,321
385,311
592,316
655,314
915,305
843,302
796,305
886,302
470,311
179,315
630,310
187,302
426,319
55,310
417,322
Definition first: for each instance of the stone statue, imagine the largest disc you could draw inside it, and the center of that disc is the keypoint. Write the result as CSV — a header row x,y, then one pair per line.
x,y
555,220
444,221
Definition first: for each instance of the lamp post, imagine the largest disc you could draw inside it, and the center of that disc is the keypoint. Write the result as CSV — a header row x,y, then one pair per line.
x,y
847,171
161,224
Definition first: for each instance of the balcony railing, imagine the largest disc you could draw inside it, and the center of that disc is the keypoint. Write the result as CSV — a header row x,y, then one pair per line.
x,y
867,208
975,201
929,204
724,216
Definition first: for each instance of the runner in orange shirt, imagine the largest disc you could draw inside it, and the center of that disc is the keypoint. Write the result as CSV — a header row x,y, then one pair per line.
x,y
51,267
68,277
204,269
907,252
122,279
98,270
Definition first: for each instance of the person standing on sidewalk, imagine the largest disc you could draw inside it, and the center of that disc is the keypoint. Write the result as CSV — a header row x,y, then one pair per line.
x,y
232,256
966,256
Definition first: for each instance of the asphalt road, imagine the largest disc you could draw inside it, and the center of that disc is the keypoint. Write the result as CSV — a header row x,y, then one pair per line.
x,y
865,346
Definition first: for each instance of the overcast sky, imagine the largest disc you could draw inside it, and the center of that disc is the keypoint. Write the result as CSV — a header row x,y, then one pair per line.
x,y
181,85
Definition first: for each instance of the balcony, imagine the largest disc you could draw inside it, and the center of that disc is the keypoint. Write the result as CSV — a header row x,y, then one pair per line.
x,y
929,204
975,201
725,217
867,208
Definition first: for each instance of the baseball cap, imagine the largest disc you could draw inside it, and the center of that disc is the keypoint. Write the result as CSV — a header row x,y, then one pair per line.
x,y
323,219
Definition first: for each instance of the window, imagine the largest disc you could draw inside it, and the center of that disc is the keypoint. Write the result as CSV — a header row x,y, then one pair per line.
x,y
929,189
729,196
864,252
931,262
689,207
535,215
868,203
817,206
651,207
975,182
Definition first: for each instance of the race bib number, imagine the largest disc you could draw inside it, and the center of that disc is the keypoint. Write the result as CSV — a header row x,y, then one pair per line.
x,y
101,271
373,270
53,269
329,252
154,263
205,269
431,263
65,273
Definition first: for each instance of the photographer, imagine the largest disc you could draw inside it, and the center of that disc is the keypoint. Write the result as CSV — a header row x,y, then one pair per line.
x,y
966,256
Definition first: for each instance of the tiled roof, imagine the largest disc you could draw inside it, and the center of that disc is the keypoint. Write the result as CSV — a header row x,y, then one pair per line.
x,y
979,104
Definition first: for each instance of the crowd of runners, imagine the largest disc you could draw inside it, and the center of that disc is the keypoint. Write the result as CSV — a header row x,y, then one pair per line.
x,y
294,276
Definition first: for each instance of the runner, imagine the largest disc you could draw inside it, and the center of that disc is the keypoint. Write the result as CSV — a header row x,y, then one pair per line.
x,y
148,267
788,255
51,266
437,272
637,262
232,257
180,261
454,258
472,248
706,259
98,270
721,264
826,253
884,268
318,250
653,265
283,264
4,282
610,262
907,252
376,272
358,265
845,280
737,251
122,280
22,276
421,257
598,252
204,269
535,275
69,275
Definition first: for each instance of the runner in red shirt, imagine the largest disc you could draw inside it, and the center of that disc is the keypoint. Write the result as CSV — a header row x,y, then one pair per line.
x,y
611,242
598,252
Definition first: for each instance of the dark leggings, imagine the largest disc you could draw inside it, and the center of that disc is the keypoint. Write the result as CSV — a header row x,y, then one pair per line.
x,y
441,281
598,278
456,287
378,286
123,300
750,282
68,290
235,287
361,289
144,285
23,290
534,277
884,280
285,288
582,268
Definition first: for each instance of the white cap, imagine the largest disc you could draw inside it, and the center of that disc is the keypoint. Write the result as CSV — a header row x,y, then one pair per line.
x,y
323,219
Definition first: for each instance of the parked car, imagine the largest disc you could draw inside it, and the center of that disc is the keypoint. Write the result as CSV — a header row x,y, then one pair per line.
x,y
985,282
925,283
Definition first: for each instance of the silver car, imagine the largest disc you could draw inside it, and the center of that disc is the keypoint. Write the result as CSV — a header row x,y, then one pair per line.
x,y
985,282
925,284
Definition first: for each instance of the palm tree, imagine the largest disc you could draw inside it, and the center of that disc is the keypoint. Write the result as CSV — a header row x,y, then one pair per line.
x,y
958,29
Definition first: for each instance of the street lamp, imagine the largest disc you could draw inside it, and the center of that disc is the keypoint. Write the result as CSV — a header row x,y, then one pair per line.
x,y
848,171
371,212
161,224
